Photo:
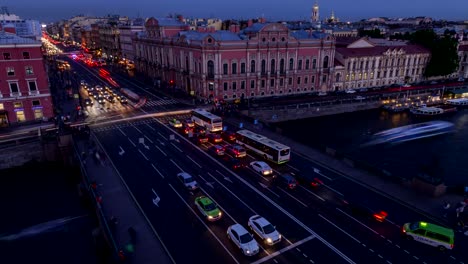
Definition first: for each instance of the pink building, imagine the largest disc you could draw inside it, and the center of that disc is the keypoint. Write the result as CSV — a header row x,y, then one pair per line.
x,y
264,59
24,87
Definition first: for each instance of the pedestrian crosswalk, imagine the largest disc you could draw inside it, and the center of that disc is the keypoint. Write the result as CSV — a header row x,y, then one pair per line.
x,y
160,102
146,121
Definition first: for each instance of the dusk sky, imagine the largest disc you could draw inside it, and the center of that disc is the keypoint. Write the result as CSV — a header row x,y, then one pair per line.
x,y
51,10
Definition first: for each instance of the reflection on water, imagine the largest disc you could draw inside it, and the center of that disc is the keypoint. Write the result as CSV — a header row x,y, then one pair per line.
x,y
347,132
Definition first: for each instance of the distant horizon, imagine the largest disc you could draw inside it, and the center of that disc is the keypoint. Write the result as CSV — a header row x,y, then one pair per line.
x,y
47,11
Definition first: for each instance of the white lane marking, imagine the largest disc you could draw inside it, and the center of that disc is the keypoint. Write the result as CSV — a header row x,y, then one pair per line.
x,y
161,150
318,196
371,250
311,261
268,189
177,165
121,131
392,223
304,254
204,224
406,251
398,246
372,230
290,195
275,260
150,127
132,142
273,203
389,241
389,262
157,199
137,129
364,245
415,257
160,142
452,257
276,253
148,139
298,249
330,222
161,135
154,167
144,156
382,236
380,256
176,147
321,174
194,162
333,190
292,167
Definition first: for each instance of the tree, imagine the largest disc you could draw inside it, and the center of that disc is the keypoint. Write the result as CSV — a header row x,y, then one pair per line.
x,y
444,57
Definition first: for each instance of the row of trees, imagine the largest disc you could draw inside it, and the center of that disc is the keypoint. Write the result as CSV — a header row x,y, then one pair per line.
x,y
444,49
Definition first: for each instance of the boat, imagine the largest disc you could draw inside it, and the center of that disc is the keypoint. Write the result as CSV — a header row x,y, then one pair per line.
x,y
429,111
411,132
460,102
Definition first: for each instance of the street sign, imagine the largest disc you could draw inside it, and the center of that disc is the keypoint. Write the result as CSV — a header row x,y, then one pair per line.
x,y
171,137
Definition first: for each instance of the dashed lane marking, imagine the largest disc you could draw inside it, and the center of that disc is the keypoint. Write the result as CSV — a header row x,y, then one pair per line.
x,y
160,150
406,251
290,195
372,230
276,253
333,224
304,254
298,249
452,257
152,128
143,154
132,142
380,256
160,174
319,197
194,161
371,250
151,141
204,224
415,257
275,260
121,131
177,165
177,148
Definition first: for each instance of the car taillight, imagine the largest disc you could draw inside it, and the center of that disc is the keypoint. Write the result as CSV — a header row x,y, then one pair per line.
x,y
451,246
291,186
380,216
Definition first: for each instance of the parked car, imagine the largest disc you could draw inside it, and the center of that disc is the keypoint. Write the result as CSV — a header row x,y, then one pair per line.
x,y
216,150
243,239
236,151
261,167
264,229
286,180
188,181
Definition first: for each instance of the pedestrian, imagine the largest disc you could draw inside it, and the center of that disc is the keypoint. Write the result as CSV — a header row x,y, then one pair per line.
x,y
446,208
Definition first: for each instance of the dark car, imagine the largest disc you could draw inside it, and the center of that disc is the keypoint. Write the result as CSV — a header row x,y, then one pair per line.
x,y
360,209
228,136
216,150
101,99
236,151
286,180
200,138
234,163
188,123
199,130
88,102
110,99
122,99
215,138
306,180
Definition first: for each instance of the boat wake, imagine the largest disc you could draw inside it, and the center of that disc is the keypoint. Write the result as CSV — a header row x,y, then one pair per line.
x,y
410,132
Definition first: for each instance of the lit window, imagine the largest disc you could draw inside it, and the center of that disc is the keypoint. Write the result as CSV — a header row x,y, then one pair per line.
x,y
10,71
2,107
17,104
29,70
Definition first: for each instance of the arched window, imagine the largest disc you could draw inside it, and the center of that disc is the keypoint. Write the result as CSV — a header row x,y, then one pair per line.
x,y
210,69
272,66
252,66
282,66
291,64
325,62
263,67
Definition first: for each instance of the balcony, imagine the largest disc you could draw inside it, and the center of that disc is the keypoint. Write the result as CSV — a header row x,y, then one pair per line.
x,y
35,92
15,94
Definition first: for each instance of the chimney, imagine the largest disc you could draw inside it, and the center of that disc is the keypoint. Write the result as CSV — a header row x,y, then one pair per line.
x,y
180,18
249,23
234,28
262,20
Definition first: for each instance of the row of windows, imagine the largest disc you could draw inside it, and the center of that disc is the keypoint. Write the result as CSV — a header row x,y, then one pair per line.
x,y
252,94
272,82
14,87
11,70
7,55
391,73
374,63
273,66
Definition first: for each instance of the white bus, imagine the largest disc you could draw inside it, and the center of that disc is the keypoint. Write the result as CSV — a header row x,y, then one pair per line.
x,y
207,120
263,146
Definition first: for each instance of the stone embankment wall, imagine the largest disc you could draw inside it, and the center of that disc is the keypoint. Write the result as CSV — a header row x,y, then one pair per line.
x,y
18,155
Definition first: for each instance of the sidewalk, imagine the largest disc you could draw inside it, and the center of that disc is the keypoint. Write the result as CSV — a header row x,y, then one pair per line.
x,y
429,206
121,210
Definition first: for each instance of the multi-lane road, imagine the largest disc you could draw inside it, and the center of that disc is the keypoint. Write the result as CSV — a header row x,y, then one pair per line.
x,y
316,226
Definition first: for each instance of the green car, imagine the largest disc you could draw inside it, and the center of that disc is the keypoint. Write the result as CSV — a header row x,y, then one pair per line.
x,y
208,208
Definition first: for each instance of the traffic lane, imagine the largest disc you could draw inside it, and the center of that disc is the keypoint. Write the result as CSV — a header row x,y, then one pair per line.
x,y
180,229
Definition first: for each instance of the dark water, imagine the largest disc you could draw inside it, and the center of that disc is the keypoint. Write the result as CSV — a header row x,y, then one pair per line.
x,y
444,156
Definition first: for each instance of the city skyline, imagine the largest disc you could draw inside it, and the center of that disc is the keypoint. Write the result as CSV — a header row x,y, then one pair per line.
x,y
53,10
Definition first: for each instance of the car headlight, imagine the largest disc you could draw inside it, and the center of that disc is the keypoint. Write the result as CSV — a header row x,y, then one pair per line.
x,y
269,240
279,236
219,214
210,217
247,251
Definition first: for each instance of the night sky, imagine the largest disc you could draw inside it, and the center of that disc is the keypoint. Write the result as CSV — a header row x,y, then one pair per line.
x,y
346,10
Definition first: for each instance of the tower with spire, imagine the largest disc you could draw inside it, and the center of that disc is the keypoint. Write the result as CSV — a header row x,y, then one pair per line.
x,y
314,18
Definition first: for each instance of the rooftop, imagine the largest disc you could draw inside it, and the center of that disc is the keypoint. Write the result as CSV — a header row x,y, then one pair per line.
x,y
9,38
379,50
220,35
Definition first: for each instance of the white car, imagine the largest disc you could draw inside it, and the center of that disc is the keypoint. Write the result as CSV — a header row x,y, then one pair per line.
x,y
349,91
261,167
187,180
243,239
358,98
406,85
98,88
266,231
322,93
175,123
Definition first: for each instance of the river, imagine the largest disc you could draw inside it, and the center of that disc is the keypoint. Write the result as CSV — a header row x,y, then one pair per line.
x,y
444,157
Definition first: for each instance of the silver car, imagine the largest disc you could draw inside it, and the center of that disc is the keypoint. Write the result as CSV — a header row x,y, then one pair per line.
x,y
188,181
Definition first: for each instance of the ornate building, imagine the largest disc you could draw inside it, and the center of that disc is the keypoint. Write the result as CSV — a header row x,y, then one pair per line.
x,y
264,59
463,56
377,62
